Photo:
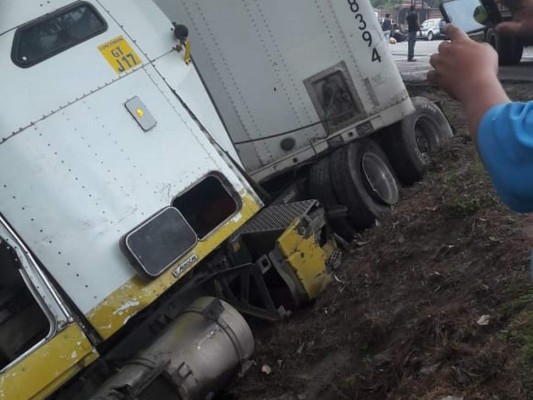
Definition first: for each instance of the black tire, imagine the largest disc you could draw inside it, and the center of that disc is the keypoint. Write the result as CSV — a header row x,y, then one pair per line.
x,y
430,36
351,186
509,48
409,142
321,188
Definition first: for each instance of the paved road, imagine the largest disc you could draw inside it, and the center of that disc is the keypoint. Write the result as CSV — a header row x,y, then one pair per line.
x,y
416,71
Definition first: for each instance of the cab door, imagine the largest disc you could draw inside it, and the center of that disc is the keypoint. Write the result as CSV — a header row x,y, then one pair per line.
x,y
41,345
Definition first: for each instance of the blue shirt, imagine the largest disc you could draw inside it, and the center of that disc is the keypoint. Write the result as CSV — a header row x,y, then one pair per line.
x,y
505,142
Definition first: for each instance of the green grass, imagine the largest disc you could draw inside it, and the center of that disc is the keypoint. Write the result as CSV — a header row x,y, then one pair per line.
x,y
466,192
519,333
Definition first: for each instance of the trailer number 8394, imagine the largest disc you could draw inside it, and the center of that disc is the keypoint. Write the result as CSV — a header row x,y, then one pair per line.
x,y
366,35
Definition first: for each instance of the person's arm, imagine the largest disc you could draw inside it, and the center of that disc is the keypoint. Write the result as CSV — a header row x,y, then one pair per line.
x,y
502,131
484,95
505,144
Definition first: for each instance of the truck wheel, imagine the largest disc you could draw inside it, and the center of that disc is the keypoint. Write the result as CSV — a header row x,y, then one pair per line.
x,y
364,181
430,36
321,188
509,48
409,142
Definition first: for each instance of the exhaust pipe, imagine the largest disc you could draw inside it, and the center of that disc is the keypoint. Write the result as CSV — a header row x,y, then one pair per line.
x,y
195,357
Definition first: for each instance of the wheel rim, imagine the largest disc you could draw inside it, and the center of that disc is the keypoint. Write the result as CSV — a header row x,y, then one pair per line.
x,y
430,36
380,180
426,138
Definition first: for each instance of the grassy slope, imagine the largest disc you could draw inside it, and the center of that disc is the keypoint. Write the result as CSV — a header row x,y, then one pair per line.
x,y
401,319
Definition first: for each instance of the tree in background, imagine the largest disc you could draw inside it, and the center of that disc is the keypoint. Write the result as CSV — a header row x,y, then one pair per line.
x,y
398,3
385,3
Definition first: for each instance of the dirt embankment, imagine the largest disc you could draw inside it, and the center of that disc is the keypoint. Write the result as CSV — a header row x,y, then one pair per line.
x,y
436,301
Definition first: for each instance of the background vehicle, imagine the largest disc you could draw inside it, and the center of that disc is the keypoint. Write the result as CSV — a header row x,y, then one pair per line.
x,y
431,29
133,227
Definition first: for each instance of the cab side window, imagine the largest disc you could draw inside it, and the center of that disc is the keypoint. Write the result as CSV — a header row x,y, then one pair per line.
x,y
50,35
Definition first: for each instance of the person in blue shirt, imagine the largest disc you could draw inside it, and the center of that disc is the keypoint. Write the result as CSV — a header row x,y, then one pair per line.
x,y
501,129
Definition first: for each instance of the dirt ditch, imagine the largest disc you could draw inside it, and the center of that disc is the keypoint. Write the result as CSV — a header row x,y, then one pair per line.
x,y
435,302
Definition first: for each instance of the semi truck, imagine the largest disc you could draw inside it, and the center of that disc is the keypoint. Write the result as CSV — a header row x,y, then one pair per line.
x,y
168,168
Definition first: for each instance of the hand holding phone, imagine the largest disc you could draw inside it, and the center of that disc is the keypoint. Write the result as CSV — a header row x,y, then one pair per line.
x,y
471,15
462,65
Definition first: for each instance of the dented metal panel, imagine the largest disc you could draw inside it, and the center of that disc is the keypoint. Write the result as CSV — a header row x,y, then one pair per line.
x,y
91,174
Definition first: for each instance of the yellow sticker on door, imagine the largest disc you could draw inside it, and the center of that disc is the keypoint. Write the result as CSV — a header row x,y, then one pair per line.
x,y
119,55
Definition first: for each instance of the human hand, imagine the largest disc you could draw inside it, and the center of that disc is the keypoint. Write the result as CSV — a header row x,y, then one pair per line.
x,y
462,66
522,23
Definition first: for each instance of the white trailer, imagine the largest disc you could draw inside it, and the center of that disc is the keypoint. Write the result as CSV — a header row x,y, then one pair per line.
x,y
291,79
294,81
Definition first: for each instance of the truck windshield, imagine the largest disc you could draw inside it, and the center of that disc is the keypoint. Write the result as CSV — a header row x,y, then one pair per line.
x,y
55,33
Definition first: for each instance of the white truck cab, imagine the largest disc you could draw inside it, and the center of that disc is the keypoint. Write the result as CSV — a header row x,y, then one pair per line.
x,y
94,143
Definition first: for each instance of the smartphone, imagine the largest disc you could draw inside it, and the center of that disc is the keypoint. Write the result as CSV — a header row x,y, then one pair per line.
x,y
473,15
